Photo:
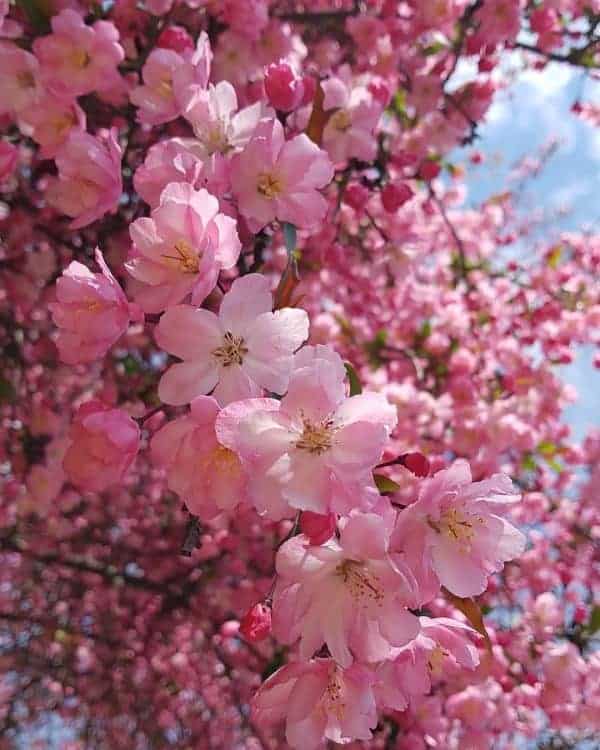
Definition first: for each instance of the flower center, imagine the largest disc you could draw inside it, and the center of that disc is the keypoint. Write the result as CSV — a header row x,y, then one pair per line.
x,y
165,88
25,79
62,123
80,58
268,185
316,438
363,586
455,524
186,259
215,140
232,351
224,461
341,120
436,661
332,698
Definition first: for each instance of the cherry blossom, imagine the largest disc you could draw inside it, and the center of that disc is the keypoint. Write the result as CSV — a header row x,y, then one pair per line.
x,y
238,353
274,178
91,311
181,248
456,533
315,449
350,595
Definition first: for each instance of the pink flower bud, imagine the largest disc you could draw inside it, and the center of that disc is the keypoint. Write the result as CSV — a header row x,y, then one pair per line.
x,y
429,170
104,443
417,463
543,20
256,623
284,88
356,196
380,91
317,527
175,38
394,196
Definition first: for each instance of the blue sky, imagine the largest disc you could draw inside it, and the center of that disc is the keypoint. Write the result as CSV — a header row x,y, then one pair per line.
x,y
524,117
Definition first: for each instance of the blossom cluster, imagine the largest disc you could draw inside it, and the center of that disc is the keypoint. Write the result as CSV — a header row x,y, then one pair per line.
x,y
283,347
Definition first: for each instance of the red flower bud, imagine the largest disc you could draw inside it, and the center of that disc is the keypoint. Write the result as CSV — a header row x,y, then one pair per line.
x,y
283,87
256,623
175,38
394,196
417,463
318,528
429,170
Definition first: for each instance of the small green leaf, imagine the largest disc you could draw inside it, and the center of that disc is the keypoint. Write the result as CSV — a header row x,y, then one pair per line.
x,y
289,237
384,484
355,386
528,462
594,624
547,449
433,49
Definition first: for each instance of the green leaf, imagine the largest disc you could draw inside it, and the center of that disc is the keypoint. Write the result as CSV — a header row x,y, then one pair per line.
x,y
384,484
289,237
528,462
433,49
594,624
355,386
547,449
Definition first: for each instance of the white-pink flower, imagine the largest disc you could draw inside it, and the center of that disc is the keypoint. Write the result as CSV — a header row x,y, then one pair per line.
x,y
350,130
218,125
91,311
348,594
240,351
442,647
277,179
76,58
315,449
317,699
455,535
181,249
89,181
208,477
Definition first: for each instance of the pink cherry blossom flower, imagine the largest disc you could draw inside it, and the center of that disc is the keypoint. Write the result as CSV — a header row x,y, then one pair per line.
x,y
350,595
245,348
9,158
19,71
208,477
156,98
75,58
50,121
349,131
218,125
317,699
172,160
91,311
315,449
455,535
181,249
89,178
441,648
104,442
277,179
